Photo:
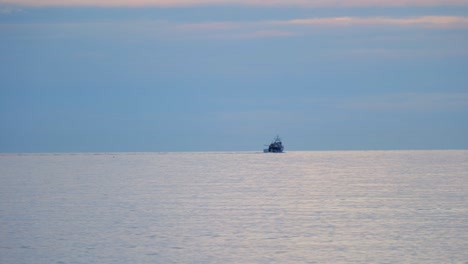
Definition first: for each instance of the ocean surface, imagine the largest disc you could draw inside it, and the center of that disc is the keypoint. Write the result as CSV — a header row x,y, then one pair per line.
x,y
240,207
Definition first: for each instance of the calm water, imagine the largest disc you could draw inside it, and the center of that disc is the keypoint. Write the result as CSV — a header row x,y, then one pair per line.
x,y
296,207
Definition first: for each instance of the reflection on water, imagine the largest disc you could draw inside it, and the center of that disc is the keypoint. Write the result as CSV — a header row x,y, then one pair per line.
x,y
323,207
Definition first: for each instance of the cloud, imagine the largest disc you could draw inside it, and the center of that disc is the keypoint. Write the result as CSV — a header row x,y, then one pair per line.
x,y
257,34
424,21
260,29
408,53
255,29
213,26
408,102
294,27
7,10
292,3
268,34
237,30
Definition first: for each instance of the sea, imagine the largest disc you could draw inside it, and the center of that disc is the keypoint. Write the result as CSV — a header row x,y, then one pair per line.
x,y
235,207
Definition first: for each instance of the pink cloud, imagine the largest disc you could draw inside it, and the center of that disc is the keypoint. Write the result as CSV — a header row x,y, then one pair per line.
x,y
428,21
175,3
271,33
263,34
269,27
295,27
212,26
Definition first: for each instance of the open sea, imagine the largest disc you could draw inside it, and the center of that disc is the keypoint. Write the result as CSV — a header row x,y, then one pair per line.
x,y
239,207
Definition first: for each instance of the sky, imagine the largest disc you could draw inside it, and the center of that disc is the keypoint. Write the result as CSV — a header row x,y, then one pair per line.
x,y
212,75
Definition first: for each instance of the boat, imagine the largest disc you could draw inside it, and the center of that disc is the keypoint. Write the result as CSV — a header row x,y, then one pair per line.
x,y
276,146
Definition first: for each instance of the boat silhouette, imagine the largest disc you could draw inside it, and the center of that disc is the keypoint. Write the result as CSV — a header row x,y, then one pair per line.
x,y
276,146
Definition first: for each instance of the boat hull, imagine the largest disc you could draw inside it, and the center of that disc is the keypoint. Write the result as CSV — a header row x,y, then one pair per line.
x,y
266,151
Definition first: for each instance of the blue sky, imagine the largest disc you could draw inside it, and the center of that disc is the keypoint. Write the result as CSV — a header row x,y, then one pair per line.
x,y
188,75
